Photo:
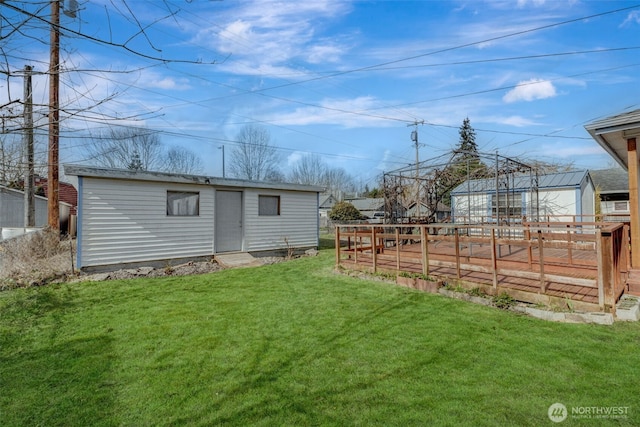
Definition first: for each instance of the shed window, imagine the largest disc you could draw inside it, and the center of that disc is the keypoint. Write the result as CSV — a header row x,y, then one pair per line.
x,y
183,203
510,205
620,206
268,205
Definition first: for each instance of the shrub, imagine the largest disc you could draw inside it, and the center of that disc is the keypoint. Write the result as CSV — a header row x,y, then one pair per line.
x,y
503,301
345,211
477,292
34,259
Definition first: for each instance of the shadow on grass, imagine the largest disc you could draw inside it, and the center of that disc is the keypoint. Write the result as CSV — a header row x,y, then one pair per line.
x,y
327,241
63,384
264,395
45,377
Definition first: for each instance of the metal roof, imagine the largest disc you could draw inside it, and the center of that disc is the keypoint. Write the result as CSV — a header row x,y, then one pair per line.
x,y
612,134
559,180
127,174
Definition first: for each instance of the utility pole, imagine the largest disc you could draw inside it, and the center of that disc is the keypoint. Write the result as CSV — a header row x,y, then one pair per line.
x,y
53,206
414,138
223,174
29,178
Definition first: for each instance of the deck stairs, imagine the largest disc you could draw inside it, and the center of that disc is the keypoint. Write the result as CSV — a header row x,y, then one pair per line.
x,y
633,282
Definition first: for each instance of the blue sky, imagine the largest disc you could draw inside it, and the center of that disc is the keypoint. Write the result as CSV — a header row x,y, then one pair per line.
x,y
346,79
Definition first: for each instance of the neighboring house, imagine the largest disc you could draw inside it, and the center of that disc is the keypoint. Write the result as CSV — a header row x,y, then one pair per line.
x,y
327,201
612,185
130,217
443,212
66,192
566,196
12,209
368,207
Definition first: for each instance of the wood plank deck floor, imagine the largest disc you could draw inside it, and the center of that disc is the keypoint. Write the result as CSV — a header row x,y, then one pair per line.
x,y
558,262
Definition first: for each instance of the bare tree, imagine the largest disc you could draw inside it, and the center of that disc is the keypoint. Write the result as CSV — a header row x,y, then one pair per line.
x,y
254,158
338,180
312,170
140,149
181,160
309,170
11,168
545,168
118,147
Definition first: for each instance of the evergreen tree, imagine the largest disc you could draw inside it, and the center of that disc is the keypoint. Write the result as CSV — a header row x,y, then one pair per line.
x,y
135,163
465,163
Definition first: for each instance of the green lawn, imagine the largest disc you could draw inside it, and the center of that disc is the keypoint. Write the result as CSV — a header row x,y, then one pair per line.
x,y
295,344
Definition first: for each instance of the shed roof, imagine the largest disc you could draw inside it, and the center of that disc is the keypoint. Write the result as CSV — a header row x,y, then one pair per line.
x,y
559,180
368,204
127,174
612,134
610,180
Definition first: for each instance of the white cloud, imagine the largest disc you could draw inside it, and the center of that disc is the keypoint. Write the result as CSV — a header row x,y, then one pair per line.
x,y
385,161
632,18
572,151
335,112
293,158
523,3
267,35
324,53
530,90
517,121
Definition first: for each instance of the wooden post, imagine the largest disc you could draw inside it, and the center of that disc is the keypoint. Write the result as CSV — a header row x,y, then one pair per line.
x,y
527,235
627,248
374,249
397,249
425,250
570,251
632,160
53,196
457,242
605,270
494,258
355,245
337,245
543,282
601,273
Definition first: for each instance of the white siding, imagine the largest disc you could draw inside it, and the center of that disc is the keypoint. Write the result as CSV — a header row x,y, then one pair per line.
x,y
561,202
12,209
588,201
480,209
126,222
297,222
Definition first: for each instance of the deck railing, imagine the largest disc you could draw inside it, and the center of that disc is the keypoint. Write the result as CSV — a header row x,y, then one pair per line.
x,y
590,255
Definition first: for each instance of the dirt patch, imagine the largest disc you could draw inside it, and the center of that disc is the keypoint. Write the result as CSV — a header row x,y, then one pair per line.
x,y
186,269
41,258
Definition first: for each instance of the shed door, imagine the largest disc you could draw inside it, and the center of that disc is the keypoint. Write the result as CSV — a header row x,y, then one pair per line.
x,y
228,221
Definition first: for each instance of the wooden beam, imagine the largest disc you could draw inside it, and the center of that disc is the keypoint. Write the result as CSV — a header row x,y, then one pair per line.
x,y
425,250
543,282
374,249
337,246
632,157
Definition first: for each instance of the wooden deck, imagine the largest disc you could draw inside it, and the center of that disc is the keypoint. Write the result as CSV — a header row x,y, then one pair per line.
x,y
584,268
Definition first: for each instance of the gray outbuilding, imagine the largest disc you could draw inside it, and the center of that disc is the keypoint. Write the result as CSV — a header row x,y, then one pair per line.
x,y
128,218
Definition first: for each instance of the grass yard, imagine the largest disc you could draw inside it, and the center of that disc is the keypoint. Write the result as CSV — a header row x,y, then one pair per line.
x,y
295,344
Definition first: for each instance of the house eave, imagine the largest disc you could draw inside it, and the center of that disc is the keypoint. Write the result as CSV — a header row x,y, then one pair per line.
x,y
613,132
